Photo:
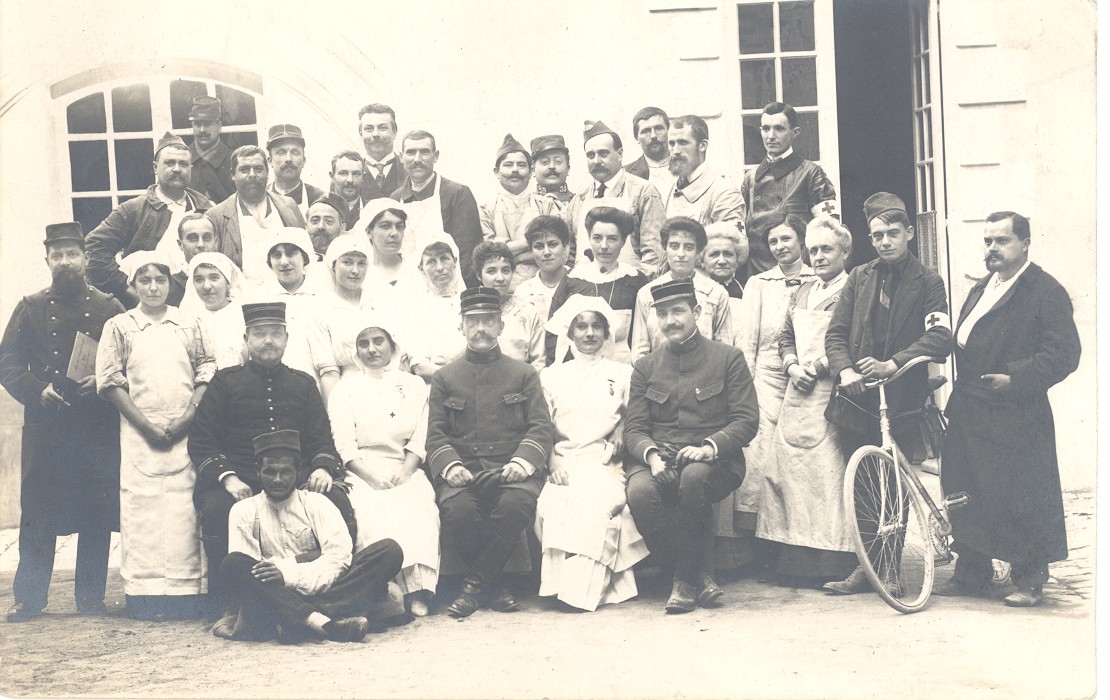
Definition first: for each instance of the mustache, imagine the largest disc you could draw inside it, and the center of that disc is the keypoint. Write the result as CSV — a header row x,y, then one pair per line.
x,y
672,327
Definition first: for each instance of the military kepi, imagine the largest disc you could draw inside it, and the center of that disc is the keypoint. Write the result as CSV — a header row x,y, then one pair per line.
x,y
280,441
206,108
69,231
675,289
543,144
264,312
880,203
510,145
284,131
479,300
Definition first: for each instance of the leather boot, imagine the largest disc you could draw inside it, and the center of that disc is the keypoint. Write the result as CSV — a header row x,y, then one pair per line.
x,y
683,598
467,602
855,583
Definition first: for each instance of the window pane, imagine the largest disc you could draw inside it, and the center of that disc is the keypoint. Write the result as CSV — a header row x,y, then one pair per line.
x,y
134,168
757,32
182,93
757,82
90,211
86,115
796,26
238,107
927,137
799,81
131,108
88,162
124,197
926,87
236,140
807,143
753,142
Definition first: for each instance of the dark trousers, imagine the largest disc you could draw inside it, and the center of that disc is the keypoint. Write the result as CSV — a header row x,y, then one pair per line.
x,y
353,593
36,563
674,518
975,568
214,507
485,521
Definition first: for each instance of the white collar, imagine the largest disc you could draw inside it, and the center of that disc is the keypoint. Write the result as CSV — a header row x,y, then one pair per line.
x,y
657,163
997,282
171,202
785,154
610,184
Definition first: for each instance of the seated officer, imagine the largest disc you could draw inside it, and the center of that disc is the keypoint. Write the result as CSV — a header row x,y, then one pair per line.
x,y
891,310
691,411
290,561
489,437
262,395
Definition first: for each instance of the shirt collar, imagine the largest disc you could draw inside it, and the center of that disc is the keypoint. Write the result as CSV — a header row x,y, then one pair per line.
x,y
782,156
693,342
657,163
184,201
173,315
483,357
997,282
611,184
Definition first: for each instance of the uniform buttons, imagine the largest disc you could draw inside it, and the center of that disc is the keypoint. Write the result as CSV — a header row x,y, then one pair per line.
x,y
55,352
86,314
269,388
474,449
270,407
53,318
53,332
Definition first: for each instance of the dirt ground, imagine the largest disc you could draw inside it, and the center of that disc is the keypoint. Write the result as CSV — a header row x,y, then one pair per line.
x,y
766,642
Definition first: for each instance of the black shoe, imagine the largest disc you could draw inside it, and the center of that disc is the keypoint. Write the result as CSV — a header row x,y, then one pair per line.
x,y
91,606
22,612
349,629
502,600
711,593
682,598
467,602
855,583
1025,597
959,587
295,634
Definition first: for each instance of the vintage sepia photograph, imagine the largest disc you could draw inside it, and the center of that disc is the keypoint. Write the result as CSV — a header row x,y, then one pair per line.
x,y
626,349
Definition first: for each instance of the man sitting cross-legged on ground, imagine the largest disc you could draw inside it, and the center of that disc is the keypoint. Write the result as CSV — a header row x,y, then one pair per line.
x,y
290,563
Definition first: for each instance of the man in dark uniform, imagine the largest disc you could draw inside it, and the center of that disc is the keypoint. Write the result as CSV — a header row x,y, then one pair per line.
x,y
489,437
691,411
142,222
551,160
892,310
1016,337
285,146
211,156
242,402
70,450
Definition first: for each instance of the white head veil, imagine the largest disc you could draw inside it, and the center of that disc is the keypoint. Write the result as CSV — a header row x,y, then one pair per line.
x,y
560,322
191,302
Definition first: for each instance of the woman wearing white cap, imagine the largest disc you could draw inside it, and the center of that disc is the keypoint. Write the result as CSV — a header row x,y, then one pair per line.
x,y
589,539
430,295
379,419
153,363
214,294
382,221
346,263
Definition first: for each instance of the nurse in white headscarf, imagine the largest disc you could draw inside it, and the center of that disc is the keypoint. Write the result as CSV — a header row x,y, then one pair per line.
x,y
214,295
586,531
429,293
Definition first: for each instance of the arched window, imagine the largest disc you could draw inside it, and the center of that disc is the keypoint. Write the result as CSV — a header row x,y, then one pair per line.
x,y
111,132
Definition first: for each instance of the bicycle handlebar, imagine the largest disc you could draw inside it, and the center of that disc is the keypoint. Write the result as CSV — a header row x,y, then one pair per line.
x,y
872,383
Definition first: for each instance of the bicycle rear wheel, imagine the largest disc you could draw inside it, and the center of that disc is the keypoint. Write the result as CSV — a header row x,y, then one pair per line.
x,y
890,532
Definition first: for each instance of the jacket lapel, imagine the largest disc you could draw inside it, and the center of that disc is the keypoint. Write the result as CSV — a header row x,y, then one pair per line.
x,y
865,300
905,298
231,229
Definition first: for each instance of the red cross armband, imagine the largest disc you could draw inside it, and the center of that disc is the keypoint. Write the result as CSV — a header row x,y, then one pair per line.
x,y
829,207
938,318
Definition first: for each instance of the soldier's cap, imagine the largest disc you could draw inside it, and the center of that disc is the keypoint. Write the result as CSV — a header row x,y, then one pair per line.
x,y
592,129
479,300
675,289
543,144
336,202
285,441
511,145
284,131
69,231
169,139
206,108
264,312
880,203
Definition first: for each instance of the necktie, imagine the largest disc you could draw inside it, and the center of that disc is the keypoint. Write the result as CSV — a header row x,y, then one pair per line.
x,y
601,190
884,298
682,183
380,177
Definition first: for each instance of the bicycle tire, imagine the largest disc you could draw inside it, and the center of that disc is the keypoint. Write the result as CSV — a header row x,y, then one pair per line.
x,y
889,530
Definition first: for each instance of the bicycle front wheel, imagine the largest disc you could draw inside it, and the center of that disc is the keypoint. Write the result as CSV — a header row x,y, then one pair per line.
x,y
891,532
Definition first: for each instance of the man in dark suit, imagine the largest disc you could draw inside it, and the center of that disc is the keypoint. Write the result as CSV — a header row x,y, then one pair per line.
x,y
348,172
489,438
436,205
142,222
286,146
892,310
245,221
1015,338
691,410
649,126
377,125
70,449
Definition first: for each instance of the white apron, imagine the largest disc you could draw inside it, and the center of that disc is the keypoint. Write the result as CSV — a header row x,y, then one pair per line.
x,y
159,531
424,220
801,502
257,239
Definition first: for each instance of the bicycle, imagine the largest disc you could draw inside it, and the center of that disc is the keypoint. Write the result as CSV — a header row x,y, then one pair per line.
x,y
898,545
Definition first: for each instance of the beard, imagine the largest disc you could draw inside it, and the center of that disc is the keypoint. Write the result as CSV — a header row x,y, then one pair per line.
x,y
69,282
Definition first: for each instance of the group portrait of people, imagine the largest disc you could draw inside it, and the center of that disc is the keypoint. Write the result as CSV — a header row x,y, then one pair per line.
x,y
310,410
